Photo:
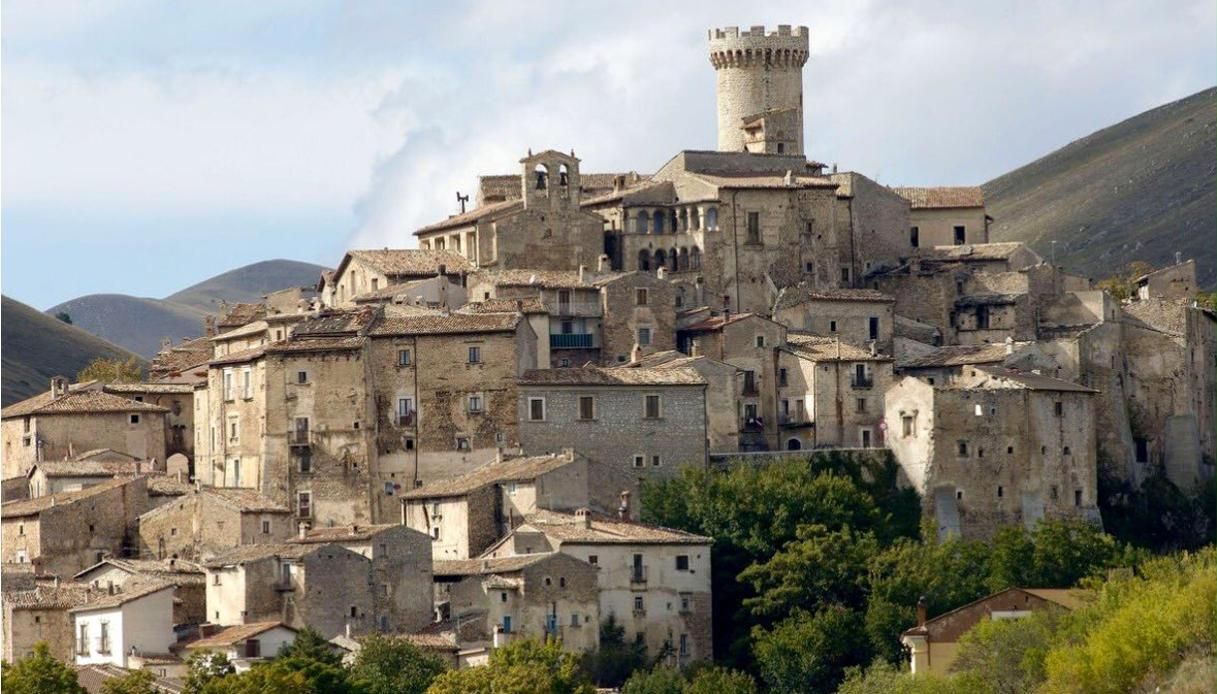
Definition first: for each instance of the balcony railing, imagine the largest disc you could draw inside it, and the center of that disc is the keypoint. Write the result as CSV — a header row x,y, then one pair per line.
x,y
638,575
793,420
862,383
572,341
299,437
576,308
283,585
752,424
405,419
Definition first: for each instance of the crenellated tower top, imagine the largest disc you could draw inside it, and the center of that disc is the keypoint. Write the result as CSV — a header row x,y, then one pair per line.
x,y
760,87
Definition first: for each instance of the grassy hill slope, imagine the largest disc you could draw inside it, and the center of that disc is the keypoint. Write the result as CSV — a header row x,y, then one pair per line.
x,y
1139,190
249,283
131,322
38,346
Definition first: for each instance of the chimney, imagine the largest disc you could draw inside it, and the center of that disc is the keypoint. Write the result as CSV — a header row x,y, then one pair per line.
x,y
348,630
602,263
874,349
110,588
1178,258
59,386
623,510
209,326
921,611
1009,345
661,272
636,352
583,518
302,529
788,179
582,273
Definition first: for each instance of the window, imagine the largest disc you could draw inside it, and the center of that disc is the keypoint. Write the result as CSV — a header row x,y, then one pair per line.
x,y
1066,450
302,377
749,383
304,504
506,624
234,430
247,388
845,275
979,410
861,405
1000,491
587,407
475,402
754,227
403,357
405,411
135,419
640,297
640,461
475,354
783,378
462,443
265,527
1142,449
228,384
536,409
684,645
906,425
959,495
215,579
304,460
961,235
644,336
82,641
963,449
639,606
873,325
1077,497
512,488
103,643
593,559
1058,409
1009,450
914,237
435,533
686,605
651,409
682,562
832,326
655,462
408,443
561,581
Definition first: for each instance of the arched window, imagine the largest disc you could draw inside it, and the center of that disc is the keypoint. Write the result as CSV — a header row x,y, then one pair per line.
x,y
672,260
794,445
684,219
661,259
643,218
683,263
563,175
712,219
659,215
695,258
644,260
695,218
542,176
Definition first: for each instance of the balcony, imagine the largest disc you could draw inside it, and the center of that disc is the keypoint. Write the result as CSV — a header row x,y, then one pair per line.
x,y
299,437
283,585
638,576
793,421
406,419
862,383
752,425
577,309
572,341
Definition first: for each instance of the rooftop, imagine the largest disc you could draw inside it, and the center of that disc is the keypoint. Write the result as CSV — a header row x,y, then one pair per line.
x,y
235,634
599,376
763,181
141,388
244,499
1032,381
176,571
568,527
49,597
344,533
972,251
530,305
942,197
77,402
526,468
396,262
956,355
411,323
30,507
497,209
127,592
89,468
717,322
793,296
248,553
487,566
545,279
817,348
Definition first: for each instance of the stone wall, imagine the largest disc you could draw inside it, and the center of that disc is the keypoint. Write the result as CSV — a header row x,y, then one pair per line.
x,y
624,315
65,435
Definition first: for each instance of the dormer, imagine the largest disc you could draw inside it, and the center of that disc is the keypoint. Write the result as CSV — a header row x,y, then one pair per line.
x,y
550,179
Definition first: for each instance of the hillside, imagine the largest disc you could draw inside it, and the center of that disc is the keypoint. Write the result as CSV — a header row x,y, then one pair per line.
x,y
131,322
140,324
1139,190
248,283
37,347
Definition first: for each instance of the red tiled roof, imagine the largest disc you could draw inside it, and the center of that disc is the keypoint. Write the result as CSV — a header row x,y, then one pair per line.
x,y
942,196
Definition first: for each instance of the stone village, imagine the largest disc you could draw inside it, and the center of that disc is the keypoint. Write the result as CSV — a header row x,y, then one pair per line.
x,y
446,441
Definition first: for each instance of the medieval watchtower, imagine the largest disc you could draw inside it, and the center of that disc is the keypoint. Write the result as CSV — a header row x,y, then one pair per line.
x,y
760,88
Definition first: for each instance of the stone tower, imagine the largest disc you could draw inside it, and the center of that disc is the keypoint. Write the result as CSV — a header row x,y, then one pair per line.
x,y
760,88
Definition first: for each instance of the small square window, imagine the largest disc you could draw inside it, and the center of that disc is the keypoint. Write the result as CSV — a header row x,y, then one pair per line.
x,y
587,407
832,326
651,408
408,443
861,405
301,377
682,562
135,419
655,462
475,354
403,357
641,297
536,409
462,443
475,402
644,337
760,340
963,449
640,461
593,559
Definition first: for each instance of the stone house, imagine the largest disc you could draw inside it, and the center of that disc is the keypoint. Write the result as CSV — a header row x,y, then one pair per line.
x,y
654,581
52,477
438,292
324,586
830,393
363,272
245,644
1176,281
643,422
177,398
855,316
537,596
723,385
933,645
996,447
544,228
211,520
465,515
187,579
67,420
136,619
533,311
639,316
946,216
875,220
40,614
749,343
64,533
400,570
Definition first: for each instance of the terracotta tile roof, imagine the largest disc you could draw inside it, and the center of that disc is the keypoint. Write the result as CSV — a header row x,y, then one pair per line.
x,y
667,359
487,566
77,402
567,527
531,305
248,553
437,641
179,573
240,314
479,214
234,635
793,296
94,677
30,507
398,262
89,468
127,592
93,453
942,196
316,344
244,499
335,322
544,279
717,322
163,485
817,348
47,597
1069,598
242,355
526,468
1032,381
343,533
644,186
765,181
254,328
972,251
389,293
599,376
141,388
956,355
444,324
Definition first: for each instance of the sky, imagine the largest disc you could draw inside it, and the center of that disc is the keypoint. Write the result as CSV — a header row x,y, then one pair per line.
x,y
146,146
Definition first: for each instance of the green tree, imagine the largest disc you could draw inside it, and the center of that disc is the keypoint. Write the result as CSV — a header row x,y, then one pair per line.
x,y
1121,285
809,652
659,680
203,667
524,667
63,316
134,682
1157,515
1007,655
820,566
265,678
615,659
884,678
111,371
39,673
394,666
720,680
309,644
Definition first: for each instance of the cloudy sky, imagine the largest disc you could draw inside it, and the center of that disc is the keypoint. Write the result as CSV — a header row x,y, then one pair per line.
x,y
149,145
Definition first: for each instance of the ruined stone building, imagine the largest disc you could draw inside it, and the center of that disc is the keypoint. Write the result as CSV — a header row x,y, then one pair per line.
x,y
830,393
211,520
857,317
39,614
367,273
178,399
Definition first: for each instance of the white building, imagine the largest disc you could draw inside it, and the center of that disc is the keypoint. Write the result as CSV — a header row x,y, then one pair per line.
x,y
245,644
131,622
